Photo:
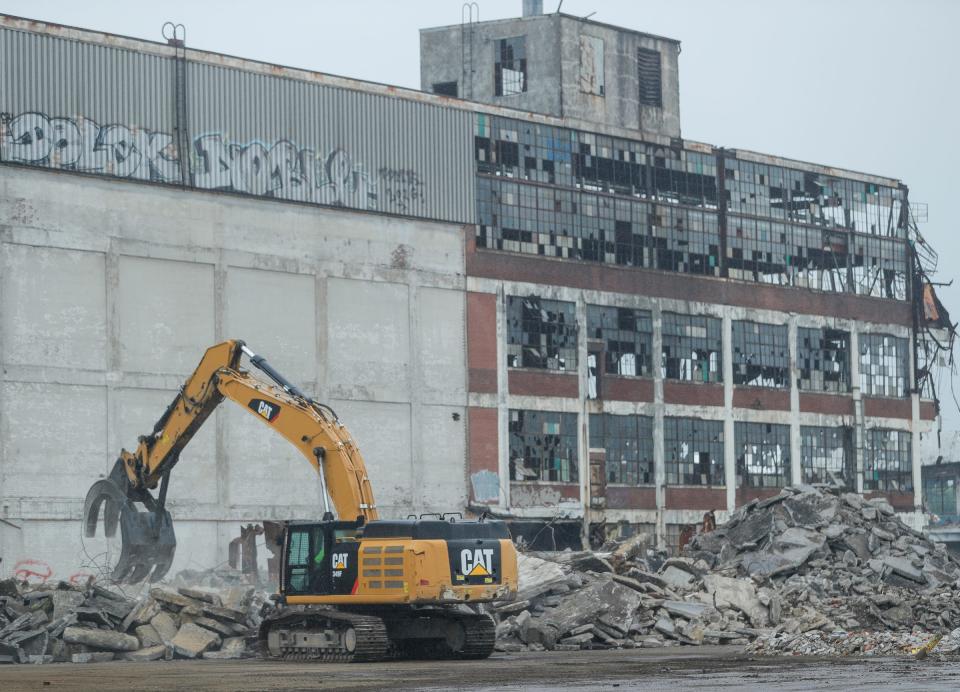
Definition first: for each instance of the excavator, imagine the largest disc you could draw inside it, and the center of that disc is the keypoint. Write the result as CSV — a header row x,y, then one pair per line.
x,y
353,587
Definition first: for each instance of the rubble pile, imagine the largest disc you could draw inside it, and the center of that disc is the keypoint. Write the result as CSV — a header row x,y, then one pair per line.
x,y
808,571
64,622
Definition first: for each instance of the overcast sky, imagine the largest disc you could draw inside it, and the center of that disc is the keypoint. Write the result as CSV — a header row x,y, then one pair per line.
x,y
869,85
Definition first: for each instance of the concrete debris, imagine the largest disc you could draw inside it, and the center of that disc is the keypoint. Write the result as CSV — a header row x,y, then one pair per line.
x,y
62,622
192,640
809,571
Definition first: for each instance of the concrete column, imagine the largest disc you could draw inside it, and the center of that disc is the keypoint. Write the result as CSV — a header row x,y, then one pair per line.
x,y
219,419
729,448
320,319
858,429
113,373
503,410
419,474
659,454
583,439
796,471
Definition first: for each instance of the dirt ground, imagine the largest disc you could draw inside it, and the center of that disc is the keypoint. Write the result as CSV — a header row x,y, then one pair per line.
x,y
705,668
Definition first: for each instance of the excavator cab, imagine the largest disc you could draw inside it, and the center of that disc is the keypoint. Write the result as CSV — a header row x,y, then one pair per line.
x,y
320,558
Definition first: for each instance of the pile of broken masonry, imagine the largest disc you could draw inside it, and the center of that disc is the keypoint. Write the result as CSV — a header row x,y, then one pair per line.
x,y
61,622
809,571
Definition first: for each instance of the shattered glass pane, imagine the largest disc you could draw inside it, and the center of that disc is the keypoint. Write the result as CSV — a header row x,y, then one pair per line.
x,y
826,455
627,337
763,455
887,461
541,334
628,442
692,348
543,446
693,451
761,354
883,365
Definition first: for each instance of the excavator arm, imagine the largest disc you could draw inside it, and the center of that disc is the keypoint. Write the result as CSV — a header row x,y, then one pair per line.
x,y
148,540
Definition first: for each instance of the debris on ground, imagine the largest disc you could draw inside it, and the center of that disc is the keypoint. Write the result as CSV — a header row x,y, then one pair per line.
x,y
63,622
809,571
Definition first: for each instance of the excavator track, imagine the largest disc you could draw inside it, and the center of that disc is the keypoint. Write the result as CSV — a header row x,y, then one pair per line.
x,y
324,635
464,635
330,635
481,635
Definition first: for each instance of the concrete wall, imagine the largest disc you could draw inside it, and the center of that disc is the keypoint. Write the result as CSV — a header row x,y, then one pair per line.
x,y
553,50
109,293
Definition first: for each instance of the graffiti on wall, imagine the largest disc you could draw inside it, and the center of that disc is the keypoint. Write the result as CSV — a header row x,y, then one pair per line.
x,y
32,571
81,144
280,169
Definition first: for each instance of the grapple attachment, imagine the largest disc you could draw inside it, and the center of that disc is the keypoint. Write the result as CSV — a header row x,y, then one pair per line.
x,y
147,538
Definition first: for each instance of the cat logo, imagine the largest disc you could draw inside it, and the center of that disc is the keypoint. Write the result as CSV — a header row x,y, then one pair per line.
x,y
476,562
339,562
264,409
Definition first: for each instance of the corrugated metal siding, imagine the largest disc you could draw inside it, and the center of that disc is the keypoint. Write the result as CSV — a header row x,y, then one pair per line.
x,y
82,106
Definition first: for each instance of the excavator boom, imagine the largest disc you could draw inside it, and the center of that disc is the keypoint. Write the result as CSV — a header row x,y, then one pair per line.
x,y
148,540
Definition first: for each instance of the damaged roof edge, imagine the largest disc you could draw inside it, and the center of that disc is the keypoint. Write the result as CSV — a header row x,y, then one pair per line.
x,y
564,15
270,69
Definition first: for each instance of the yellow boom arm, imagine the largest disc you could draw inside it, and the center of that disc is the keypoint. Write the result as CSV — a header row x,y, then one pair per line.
x,y
311,427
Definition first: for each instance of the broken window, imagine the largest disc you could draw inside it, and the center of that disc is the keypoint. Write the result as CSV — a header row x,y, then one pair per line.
x,y
650,79
627,337
887,461
692,348
541,334
823,356
610,200
763,455
826,455
761,354
591,65
543,446
693,451
883,365
445,88
628,441
940,496
510,68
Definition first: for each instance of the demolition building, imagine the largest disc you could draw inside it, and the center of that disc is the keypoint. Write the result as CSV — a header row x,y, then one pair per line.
x,y
521,288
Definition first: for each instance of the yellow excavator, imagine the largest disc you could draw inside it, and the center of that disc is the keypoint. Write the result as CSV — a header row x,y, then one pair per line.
x,y
353,587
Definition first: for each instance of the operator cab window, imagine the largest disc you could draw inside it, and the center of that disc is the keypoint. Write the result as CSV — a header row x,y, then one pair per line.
x,y
298,561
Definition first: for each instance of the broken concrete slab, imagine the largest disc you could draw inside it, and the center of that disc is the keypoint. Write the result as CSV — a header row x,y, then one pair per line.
x,y
201,595
676,578
165,626
100,639
233,648
149,653
689,610
740,594
904,567
92,657
141,614
148,636
192,640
